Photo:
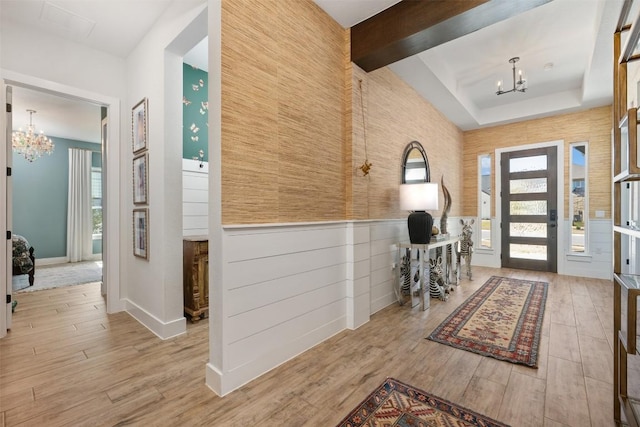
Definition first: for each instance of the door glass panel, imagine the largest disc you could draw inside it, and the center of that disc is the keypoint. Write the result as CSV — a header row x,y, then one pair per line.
x,y
525,186
528,164
538,252
524,229
528,207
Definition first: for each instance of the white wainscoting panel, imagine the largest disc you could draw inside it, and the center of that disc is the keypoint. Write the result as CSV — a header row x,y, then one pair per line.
x,y
384,236
598,262
284,292
358,255
195,197
288,287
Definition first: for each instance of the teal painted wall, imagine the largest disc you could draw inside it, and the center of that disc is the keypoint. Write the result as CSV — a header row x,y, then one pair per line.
x,y
195,112
40,198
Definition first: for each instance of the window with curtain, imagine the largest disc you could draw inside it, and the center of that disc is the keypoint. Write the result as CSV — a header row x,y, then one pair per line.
x,y
79,223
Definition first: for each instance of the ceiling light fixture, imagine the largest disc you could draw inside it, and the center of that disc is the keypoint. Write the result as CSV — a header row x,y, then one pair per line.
x,y
30,144
518,86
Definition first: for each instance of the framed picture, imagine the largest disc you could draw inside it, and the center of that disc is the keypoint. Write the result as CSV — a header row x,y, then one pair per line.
x,y
139,126
141,233
140,179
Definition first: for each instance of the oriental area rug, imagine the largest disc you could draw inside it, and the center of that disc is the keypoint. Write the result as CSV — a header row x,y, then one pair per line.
x,y
502,319
398,404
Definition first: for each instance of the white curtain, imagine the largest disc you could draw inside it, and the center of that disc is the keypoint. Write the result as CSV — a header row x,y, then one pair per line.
x,y
79,218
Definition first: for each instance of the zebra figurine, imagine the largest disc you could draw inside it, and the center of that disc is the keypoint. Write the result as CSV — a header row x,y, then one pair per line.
x,y
464,248
405,274
437,286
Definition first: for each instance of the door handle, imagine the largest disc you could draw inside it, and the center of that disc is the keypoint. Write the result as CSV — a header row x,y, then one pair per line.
x,y
552,225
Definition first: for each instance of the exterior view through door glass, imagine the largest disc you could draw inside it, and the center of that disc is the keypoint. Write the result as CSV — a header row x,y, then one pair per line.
x,y
529,209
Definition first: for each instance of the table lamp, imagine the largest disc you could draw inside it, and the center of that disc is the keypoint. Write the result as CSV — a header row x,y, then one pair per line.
x,y
419,198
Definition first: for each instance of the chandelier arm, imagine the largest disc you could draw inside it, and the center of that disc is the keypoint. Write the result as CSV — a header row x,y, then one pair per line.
x,y
520,82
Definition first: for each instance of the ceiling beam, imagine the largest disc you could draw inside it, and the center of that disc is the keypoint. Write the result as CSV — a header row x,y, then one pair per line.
x,y
413,26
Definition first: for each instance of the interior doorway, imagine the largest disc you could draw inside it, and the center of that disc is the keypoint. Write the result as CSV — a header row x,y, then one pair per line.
x,y
110,196
529,209
56,197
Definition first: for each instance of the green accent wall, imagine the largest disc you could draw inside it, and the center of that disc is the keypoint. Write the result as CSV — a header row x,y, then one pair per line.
x,y
195,112
40,198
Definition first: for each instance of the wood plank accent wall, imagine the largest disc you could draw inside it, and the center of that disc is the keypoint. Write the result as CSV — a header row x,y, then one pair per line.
x,y
592,126
395,115
283,118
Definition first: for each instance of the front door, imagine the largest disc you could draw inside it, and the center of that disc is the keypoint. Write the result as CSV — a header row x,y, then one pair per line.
x,y
529,209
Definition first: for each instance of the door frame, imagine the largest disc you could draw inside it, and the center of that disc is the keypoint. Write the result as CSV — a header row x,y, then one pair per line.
x,y
111,176
5,248
561,236
550,263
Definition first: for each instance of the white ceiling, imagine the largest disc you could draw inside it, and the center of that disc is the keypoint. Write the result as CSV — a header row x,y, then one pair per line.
x,y
111,26
56,116
459,78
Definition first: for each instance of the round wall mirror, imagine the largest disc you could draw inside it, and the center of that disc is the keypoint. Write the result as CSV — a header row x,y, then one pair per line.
x,y
415,166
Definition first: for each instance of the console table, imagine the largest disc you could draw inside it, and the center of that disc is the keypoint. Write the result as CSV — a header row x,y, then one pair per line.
x,y
420,294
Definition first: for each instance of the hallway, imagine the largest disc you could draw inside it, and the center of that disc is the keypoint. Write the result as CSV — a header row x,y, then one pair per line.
x,y
66,362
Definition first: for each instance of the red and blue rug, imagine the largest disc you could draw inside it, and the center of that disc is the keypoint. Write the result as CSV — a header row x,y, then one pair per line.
x,y
502,319
395,403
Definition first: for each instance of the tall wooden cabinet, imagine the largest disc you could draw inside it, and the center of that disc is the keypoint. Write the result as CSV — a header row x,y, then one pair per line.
x,y
195,271
626,218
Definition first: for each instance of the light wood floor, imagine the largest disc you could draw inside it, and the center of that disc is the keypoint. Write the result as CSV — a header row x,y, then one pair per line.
x,y
66,362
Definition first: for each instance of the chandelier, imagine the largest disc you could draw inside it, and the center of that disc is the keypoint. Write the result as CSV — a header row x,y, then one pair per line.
x,y
31,144
518,86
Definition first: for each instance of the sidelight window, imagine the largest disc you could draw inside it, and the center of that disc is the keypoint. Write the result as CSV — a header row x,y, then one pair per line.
x,y
578,198
484,199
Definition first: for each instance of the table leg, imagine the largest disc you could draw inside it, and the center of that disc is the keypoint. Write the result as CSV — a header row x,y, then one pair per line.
x,y
424,279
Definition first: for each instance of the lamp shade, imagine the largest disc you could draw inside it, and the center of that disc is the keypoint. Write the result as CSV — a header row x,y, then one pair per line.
x,y
419,197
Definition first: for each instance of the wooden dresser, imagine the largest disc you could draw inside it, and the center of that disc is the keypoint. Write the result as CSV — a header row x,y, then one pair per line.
x,y
195,273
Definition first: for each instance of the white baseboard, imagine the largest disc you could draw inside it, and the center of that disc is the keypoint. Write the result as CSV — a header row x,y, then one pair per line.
x,y
51,261
164,330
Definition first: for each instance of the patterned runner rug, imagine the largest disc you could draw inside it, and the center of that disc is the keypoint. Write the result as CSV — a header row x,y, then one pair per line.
x,y
397,404
502,319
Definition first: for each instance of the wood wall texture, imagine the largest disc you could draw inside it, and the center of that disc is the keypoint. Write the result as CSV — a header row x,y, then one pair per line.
x,y
592,126
292,133
283,86
395,115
